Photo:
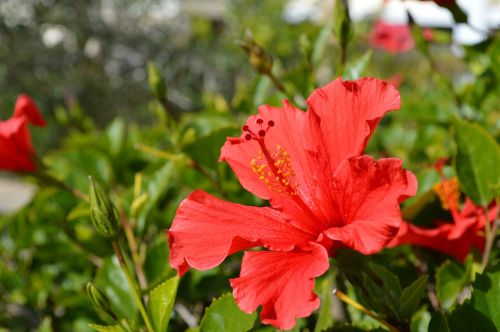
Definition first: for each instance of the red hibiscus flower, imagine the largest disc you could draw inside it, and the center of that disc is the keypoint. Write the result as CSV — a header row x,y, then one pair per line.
x,y
454,238
394,38
16,149
323,194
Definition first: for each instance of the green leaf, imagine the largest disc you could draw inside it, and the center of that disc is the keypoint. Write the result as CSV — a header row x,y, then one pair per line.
x,y
325,318
477,160
319,46
156,185
481,313
356,69
380,288
451,278
154,266
420,320
206,149
223,315
104,328
161,302
438,323
111,280
117,136
411,297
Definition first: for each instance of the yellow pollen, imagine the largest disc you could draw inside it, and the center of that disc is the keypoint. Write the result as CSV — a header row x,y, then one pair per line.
x,y
278,174
448,193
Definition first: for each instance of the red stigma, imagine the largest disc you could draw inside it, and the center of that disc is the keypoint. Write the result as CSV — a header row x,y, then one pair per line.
x,y
259,132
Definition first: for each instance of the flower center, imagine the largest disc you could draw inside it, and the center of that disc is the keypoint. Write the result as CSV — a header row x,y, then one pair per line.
x,y
273,167
448,193
277,173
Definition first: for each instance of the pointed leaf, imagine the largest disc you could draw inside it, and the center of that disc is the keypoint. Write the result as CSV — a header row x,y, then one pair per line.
x,y
325,318
450,280
481,312
412,296
380,288
111,280
223,315
161,302
477,160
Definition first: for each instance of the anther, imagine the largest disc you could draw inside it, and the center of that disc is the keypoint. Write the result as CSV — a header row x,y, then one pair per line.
x,y
260,121
270,123
248,137
262,133
245,128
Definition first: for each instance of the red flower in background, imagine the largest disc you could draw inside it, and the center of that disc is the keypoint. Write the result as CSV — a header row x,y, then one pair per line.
x,y
324,194
456,238
394,38
16,149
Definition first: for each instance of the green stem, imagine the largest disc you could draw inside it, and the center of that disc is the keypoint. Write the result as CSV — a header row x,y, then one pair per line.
x,y
135,293
277,83
134,250
490,233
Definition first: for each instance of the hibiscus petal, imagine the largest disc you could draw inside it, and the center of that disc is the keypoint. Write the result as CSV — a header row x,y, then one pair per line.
x,y
26,107
282,282
349,112
16,149
206,230
294,142
368,194
439,239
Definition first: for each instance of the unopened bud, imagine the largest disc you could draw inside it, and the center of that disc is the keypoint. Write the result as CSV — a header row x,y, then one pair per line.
x,y
259,59
342,22
103,213
99,300
156,82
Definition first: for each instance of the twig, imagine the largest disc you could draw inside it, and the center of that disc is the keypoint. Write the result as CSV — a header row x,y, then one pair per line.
x,y
490,233
135,293
277,83
132,243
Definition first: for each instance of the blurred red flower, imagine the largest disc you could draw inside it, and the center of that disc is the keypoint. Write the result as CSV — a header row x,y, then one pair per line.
x,y
16,149
394,38
323,194
455,238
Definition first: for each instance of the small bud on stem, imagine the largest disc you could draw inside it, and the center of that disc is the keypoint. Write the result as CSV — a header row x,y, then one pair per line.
x,y
156,82
103,213
99,300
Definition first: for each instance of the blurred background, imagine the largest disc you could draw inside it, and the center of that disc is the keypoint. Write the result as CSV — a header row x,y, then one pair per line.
x,y
90,56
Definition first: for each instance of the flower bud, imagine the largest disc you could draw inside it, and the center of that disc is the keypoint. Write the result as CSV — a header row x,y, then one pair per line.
x,y
103,213
99,300
342,22
156,82
259,59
